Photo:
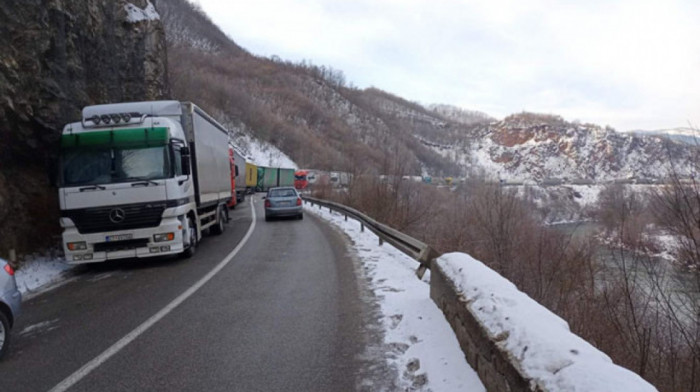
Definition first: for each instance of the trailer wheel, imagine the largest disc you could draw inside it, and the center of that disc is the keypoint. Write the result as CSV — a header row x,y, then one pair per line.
x,y
220,226
191,232
4,333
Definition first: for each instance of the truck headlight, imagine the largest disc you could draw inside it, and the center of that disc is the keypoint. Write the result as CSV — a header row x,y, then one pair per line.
x,y
162,237
73,246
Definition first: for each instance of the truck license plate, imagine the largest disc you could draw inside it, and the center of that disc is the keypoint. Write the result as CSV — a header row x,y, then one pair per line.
x,y
119,237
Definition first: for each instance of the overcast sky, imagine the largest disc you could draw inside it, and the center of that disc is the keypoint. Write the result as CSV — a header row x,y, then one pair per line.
x,y
631,64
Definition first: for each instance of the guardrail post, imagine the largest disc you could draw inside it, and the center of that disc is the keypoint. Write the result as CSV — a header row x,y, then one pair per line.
x,y
13,257
421,271
362,227
381,241
346,218
425,258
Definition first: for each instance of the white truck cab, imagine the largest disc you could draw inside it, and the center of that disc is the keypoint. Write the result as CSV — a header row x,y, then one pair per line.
x,y
141,179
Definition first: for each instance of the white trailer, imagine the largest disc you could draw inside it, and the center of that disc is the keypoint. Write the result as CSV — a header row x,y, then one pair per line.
x,y
142,179
240,168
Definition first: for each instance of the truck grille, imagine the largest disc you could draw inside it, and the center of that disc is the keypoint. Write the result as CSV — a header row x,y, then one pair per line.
x,y
115,218
120,245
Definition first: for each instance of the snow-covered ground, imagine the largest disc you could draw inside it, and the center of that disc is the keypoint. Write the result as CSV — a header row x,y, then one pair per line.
x,y
541,342
427,354
39,274
261,153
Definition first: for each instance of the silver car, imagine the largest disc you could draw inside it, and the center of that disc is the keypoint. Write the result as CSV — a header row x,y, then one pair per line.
x,y
10,301
282,202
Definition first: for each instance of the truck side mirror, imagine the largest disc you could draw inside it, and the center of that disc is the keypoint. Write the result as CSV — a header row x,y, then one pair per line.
x,y
185,156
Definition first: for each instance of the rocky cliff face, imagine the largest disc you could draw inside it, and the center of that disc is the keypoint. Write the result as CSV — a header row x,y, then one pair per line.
x,y
547,149
58,56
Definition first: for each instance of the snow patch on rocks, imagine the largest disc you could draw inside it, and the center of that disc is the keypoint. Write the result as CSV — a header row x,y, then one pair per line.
x,y
135,14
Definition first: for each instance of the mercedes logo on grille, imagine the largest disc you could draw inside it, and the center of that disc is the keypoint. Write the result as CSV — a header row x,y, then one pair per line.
x,y
117,215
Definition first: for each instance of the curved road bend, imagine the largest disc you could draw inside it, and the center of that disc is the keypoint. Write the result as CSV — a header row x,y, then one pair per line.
x,y
283,315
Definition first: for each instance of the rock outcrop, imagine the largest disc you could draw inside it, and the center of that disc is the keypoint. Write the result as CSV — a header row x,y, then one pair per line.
x,y
58,56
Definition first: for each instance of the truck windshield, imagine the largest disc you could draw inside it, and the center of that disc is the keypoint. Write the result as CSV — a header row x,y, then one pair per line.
x,y
113,165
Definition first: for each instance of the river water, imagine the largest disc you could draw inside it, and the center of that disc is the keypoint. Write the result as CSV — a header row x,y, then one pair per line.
x,y
651,274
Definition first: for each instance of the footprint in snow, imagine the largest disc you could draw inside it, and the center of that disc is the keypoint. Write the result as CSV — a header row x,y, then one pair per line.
x,y
395,320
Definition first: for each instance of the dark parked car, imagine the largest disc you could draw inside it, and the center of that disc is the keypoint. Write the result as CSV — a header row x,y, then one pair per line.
x,y
10,301
283,201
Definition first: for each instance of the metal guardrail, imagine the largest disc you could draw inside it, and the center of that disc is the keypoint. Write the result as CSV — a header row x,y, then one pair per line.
x,y
418,250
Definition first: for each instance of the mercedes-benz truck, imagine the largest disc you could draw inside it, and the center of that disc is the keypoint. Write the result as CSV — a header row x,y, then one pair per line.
x,y
142,179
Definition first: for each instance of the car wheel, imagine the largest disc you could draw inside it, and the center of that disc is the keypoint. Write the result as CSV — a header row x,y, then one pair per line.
x,y
190,231
267,218
301,216
4,334
220,226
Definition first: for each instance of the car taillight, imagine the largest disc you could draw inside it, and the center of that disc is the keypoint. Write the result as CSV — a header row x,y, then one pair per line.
x,y
268,204
298,201
9,270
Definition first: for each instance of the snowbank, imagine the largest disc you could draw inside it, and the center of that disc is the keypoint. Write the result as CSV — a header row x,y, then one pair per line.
x,y
39,274
418,341
538,342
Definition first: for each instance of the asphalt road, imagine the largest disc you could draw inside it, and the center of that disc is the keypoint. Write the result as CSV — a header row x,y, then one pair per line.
x,y
283,315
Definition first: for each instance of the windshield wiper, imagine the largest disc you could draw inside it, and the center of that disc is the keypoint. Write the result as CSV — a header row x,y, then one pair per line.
x,y
92,188
141,181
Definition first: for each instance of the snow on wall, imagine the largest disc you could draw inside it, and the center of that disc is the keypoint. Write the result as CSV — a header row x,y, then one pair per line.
x,y
135,14
539,342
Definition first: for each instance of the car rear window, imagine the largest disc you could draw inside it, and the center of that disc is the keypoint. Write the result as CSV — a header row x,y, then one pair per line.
x,y
282,193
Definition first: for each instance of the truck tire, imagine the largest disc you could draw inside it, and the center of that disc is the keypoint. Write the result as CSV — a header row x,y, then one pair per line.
x,y
4,333
220,225
192,232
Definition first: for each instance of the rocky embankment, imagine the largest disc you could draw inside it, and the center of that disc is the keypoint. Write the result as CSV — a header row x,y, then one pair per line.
x,y
57,57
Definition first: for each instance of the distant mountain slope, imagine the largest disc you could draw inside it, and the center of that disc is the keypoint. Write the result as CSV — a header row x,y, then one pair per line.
x,y
462,116
304,110
310,114
540,148
684,135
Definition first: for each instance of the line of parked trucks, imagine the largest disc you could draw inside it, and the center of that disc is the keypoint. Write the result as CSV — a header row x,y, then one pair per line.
x,y
143,179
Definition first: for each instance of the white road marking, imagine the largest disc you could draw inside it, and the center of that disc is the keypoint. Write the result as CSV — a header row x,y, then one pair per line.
x,y
131,336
